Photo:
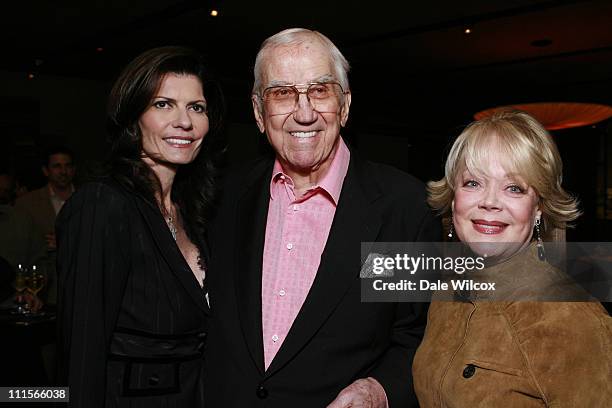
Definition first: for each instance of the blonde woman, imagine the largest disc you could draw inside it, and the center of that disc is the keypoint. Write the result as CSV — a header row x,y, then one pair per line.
x,y
502,191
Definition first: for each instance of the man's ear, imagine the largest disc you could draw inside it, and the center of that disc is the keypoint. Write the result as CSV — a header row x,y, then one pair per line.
x,y
344,111
258,110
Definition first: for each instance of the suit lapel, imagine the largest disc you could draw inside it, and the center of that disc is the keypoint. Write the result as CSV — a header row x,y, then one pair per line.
x,y
47,209
356,220
251,220
170,251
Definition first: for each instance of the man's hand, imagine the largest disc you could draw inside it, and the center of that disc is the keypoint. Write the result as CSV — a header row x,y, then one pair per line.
x,y
34,303
363,393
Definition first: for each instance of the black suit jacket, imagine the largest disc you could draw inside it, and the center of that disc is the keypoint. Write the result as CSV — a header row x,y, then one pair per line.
x,y
335,339
131,313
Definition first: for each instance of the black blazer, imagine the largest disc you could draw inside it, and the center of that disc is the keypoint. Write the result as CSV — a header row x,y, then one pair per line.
x,y
335,339
132,315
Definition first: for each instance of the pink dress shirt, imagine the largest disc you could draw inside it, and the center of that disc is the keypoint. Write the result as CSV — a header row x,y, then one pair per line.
x,y
296,233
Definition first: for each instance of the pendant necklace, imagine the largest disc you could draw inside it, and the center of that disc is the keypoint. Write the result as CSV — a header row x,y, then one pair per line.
x,y
170,222
172,227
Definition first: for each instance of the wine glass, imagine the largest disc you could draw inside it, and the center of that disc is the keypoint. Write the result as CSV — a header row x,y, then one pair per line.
x,y
20,284
37,281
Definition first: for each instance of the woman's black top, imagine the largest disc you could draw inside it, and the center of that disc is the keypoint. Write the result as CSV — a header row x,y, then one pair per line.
x,y
132,317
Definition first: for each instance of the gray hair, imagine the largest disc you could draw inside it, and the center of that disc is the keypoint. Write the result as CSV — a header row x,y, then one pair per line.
x,y
298,36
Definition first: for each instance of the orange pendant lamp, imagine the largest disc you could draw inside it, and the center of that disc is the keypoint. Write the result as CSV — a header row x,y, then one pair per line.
x,y
558,115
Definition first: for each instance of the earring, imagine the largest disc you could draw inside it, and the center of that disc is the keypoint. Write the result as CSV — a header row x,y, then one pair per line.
x,y
539,244
451,228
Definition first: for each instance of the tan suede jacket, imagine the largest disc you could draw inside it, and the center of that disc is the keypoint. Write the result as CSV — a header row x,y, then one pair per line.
x,y
515,354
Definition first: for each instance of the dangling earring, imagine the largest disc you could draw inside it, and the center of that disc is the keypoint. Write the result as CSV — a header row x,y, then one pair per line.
x,y
451,228
539,244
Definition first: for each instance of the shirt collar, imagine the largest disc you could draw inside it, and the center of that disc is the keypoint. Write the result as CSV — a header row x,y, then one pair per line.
x,y
332,180
52,193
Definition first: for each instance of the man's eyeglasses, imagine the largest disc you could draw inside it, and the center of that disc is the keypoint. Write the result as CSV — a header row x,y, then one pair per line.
x,y
283,99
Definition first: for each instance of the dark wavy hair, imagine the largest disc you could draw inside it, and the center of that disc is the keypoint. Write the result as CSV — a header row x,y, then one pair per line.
x,y
193,190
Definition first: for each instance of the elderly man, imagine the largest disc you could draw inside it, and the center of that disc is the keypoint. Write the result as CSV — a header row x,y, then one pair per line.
x,y
289,328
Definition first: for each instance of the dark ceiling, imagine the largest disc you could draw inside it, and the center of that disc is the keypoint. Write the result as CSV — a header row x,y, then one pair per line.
x,y
413,66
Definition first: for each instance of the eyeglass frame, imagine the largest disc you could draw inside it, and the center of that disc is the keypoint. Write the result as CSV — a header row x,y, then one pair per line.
x,y
305,91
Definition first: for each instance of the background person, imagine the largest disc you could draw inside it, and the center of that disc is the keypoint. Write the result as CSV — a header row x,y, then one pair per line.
x,y
502,190
40,207
21,242
289,328
8,187
43,204
133,313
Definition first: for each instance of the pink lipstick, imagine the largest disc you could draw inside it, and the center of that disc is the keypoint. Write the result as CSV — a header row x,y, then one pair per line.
x,y
489,227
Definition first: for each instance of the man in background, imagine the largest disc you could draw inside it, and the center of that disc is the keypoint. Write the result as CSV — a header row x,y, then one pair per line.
x,y
20,243
42,206
7,187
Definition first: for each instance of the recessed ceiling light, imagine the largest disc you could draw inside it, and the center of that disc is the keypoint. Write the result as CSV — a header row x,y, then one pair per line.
x,y
544,42
30,76
214,13
468,31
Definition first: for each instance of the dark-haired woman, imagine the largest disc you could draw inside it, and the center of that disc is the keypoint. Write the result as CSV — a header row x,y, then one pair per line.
x,y
131,255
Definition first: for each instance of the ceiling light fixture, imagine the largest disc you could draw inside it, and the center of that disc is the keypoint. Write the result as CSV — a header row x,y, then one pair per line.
x,y
214,13
468,31
558,115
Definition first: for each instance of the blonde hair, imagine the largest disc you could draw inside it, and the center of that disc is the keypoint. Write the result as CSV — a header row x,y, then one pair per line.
x,y
527,150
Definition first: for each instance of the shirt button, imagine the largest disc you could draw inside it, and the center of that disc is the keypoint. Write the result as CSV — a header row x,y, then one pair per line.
x,y
275,338
468,371
289,246
282,293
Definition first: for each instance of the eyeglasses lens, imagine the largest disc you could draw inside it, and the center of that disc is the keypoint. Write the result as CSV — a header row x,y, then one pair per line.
x,y
323,97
